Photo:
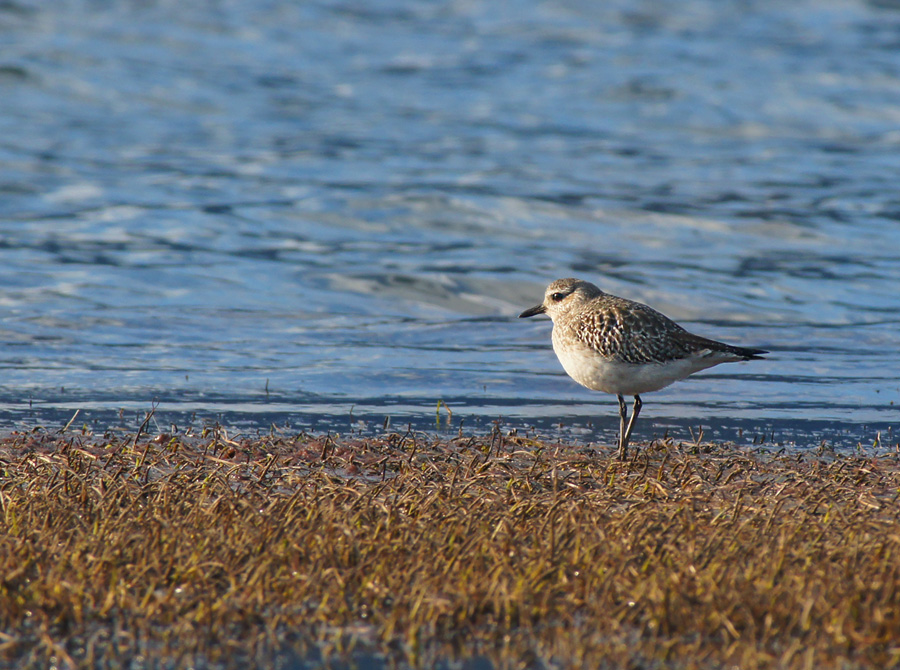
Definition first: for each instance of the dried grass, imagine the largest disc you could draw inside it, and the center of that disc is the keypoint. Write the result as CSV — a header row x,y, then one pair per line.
x,y
208,552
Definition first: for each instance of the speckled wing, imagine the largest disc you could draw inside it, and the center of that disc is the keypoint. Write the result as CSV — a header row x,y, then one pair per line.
x,y
629,332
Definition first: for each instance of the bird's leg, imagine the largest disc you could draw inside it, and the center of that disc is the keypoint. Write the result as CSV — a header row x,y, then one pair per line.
x,y
623,417
635,410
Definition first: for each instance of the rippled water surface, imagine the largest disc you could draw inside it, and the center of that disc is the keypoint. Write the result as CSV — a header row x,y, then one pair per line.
x,y
327,214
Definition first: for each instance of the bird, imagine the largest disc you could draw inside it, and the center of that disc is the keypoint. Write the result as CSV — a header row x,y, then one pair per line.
x,y
620,346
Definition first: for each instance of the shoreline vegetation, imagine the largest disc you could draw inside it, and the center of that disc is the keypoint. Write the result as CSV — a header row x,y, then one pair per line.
x,y
204,551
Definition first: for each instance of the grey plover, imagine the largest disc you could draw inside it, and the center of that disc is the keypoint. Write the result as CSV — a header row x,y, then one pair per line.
x,y
620,346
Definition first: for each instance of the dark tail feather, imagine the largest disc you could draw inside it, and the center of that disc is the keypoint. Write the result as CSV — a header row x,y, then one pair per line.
x,y
745,353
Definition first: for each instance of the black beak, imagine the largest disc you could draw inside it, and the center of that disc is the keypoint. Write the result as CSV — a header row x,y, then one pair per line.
x,y
533,311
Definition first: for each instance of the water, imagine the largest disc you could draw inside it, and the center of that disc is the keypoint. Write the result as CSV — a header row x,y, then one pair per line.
x,y
327,215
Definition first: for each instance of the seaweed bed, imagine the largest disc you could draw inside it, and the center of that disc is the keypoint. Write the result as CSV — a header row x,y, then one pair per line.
x,y
407,550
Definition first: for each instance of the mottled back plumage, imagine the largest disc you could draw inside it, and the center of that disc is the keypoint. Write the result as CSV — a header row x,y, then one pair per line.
x,y
627,331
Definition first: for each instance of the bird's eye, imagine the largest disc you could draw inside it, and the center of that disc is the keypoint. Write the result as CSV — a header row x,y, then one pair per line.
x,y
556,297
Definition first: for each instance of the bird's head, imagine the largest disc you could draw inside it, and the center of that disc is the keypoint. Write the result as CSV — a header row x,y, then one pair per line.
x,y
562,296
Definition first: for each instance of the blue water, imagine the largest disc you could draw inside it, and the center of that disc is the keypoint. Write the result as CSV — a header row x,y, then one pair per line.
x,y
327,215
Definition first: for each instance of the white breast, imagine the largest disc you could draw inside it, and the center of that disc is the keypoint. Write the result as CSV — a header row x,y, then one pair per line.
x,y
601,374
